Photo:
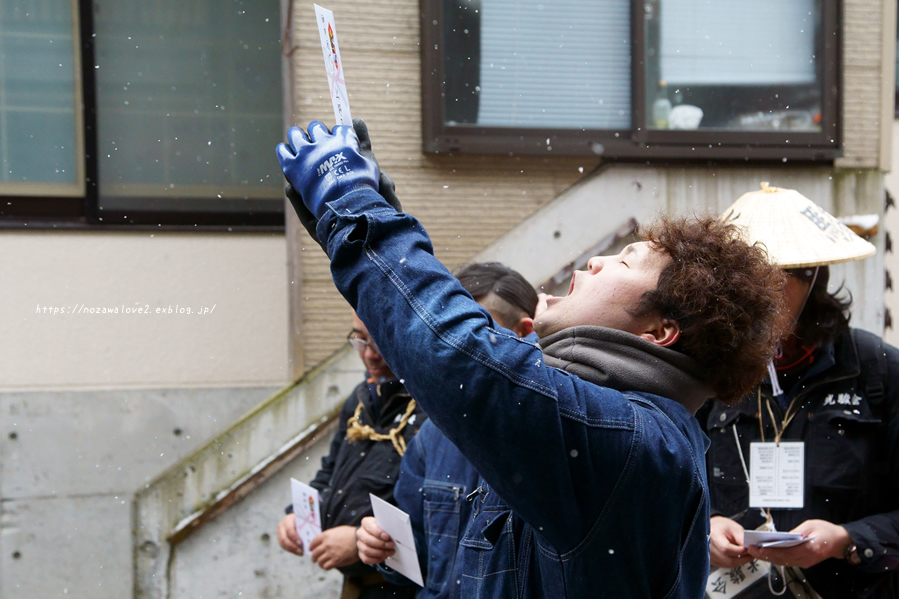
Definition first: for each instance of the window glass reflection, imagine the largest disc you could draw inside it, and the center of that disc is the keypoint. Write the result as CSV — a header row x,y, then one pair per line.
x,y
734,65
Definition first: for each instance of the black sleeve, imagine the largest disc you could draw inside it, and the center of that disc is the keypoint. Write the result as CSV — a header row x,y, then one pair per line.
x,y
876,536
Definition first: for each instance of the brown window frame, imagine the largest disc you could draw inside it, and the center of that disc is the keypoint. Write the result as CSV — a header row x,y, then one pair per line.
x,y
637,143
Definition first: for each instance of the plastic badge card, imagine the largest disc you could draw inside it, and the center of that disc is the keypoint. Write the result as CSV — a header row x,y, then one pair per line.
x,y
776,474
395,522
307,518
333,65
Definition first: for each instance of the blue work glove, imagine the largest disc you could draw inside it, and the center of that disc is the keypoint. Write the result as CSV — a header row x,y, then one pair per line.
x,y
325,166
386,187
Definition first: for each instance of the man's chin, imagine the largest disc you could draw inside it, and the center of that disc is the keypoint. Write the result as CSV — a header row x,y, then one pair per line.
x,y
380,374
544,327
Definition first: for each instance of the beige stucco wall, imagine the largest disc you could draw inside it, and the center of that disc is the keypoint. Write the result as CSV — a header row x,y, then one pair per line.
x,y
242,341
868,28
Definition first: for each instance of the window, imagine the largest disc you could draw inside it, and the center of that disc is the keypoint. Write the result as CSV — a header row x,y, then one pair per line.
x,y
123,113
628,79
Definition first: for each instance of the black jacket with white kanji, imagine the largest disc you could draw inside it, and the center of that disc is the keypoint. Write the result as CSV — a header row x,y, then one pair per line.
x,y
848,421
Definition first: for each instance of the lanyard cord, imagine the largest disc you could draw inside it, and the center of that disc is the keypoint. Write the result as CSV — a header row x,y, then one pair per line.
x,y
788,416
766,515
737,442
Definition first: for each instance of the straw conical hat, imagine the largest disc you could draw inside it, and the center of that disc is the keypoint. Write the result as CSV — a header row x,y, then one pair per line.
x,y
795,231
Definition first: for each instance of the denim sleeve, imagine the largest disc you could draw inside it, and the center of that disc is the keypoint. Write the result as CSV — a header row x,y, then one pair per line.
x,y
487,391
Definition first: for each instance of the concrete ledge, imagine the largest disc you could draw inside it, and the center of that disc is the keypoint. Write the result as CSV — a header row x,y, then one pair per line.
x,y
229,466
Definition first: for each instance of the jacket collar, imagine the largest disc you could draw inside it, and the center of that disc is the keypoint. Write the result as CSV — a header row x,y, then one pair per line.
x,y
625,362
383,400
837,360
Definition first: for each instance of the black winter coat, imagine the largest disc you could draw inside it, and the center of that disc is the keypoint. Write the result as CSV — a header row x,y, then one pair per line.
x,y
848,420
352,470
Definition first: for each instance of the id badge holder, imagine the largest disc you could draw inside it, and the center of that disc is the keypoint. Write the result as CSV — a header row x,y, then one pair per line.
x,y
776,474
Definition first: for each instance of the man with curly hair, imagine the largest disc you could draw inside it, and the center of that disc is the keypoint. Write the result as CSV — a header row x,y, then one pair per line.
x,y
593,477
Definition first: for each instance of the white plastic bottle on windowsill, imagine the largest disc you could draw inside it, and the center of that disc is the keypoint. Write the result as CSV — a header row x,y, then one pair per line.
x,y
662,107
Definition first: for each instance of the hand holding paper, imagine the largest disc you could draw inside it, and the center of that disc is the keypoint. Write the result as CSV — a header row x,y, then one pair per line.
x,y
764,538
373,544
395,522
307,518
821,540
325,165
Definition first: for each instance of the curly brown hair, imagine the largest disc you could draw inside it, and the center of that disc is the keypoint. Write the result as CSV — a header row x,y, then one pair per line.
x,y
725,296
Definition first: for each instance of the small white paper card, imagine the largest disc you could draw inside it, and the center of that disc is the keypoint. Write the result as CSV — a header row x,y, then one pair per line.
x,y
763,538
788,543
307,517
334,68
776,475
395,522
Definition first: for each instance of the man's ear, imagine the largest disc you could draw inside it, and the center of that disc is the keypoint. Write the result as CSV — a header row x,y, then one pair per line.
x,y
524,327
663,332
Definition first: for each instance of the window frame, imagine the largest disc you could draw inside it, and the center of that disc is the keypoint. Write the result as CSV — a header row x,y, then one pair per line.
x,y
82,211
637,143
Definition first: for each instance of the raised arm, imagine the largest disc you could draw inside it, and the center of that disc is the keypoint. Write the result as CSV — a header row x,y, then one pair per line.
x,y
488,391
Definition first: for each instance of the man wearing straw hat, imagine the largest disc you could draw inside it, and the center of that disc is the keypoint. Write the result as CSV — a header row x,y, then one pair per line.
x,y
812,450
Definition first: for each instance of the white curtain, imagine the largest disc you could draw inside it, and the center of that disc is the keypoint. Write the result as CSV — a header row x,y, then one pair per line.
x,y
564,64
735,42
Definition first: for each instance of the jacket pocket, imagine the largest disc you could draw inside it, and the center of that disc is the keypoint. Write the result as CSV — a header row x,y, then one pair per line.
x,y
442,512
728,491
489,556
840,447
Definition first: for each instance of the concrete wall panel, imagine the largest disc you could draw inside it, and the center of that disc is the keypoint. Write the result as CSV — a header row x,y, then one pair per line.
x,y
71,547
237,554
85,443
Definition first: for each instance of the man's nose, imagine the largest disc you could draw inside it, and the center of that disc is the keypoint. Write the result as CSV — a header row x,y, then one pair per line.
x,y
595,264
372,351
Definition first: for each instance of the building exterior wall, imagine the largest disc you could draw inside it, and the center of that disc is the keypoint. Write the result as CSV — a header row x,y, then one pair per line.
x,y
892,230
467,201
92,406
237,554
865,25
71,463
240,278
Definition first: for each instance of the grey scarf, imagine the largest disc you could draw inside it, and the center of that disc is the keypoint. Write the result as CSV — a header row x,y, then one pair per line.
x,y
625,362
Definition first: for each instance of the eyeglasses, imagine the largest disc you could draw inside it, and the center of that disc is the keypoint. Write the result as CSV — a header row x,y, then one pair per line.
x,y
360,344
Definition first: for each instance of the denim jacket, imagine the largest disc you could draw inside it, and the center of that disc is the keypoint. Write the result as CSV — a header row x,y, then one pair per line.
x,y
589,490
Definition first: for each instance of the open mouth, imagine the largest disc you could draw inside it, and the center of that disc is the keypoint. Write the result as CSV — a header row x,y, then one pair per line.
x,y
571,285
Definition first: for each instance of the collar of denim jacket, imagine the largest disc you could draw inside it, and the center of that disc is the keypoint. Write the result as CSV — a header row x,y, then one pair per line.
x,y
625,362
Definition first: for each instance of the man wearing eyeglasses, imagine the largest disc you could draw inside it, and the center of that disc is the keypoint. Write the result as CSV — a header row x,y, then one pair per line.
x,y
376,423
